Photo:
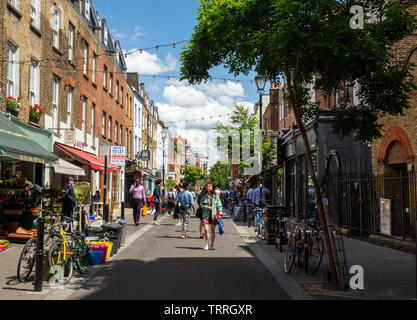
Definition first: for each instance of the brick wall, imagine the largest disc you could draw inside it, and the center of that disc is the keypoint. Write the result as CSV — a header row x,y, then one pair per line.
x,y
3,57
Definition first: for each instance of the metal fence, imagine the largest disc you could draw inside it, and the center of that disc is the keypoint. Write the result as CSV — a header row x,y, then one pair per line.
x,y
357,203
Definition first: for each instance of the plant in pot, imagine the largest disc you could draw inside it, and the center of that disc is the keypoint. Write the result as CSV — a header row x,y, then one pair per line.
x,y
35,113
13,105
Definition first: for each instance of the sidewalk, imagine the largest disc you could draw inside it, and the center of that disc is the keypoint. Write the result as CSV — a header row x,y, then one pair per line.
x,y
12,289
388,273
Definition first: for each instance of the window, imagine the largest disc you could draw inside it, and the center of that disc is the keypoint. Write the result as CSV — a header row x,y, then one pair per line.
x,y
87,9
116,131
106,36
111,83
105,77
103,125
121,98
34,82
93,76
93,122
55,28
69,107
109,127
15,3
12,70
71,42
83,123
35,13
85,56
117,90
55,95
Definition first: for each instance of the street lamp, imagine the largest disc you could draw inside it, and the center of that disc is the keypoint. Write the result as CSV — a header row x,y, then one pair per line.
x,y
164,134
260,84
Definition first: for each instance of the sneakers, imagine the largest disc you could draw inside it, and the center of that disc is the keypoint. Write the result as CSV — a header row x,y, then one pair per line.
x,y
183,236
156,223
178,224
211,248
206,248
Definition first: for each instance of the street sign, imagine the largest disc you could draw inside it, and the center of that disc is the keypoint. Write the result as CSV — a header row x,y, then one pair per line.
x,y
272,133
118,156
145,155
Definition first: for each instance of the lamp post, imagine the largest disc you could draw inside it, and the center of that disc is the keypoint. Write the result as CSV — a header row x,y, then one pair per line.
x,y
260,84
163,135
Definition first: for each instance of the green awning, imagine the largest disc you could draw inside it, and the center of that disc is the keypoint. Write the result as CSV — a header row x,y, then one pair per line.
x,y
17,145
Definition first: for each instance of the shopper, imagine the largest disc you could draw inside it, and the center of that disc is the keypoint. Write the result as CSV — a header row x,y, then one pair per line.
x,y
157,201
186,202
69,200
177,214
211,205
171,201
139,200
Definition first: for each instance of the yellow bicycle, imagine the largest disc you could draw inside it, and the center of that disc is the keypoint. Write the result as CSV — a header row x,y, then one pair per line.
x,y
69,248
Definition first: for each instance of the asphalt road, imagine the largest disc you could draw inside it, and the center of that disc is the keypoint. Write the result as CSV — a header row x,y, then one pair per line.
x,y
159,265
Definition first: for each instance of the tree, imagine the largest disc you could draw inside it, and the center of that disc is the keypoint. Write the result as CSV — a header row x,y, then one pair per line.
x,y
310,42
170,183
192,174
219,174
240,121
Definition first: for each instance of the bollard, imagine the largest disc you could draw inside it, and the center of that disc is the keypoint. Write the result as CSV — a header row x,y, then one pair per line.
x,y
106,213
123,210
39,255
245,214
83,220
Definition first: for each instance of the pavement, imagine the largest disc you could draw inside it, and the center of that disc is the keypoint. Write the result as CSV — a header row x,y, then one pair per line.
x,y
156,264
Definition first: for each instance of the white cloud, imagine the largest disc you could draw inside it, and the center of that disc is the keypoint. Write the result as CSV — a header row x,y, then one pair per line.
x,y
231,89
149,64
117,34
138,33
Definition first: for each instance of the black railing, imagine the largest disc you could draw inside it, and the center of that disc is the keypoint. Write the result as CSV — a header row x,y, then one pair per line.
x,y
356,204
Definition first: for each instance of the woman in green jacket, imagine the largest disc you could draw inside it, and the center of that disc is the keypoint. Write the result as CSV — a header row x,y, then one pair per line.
x,y
211,205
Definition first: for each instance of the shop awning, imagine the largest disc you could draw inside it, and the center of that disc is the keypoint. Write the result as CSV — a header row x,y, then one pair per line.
x,y
17,145
95,162
64,167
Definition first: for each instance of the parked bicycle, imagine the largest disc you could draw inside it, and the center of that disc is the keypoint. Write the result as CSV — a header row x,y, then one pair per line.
x,y
260,222
281,232
305,247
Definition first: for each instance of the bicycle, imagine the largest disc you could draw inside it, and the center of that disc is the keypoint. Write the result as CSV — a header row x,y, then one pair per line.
x,y
260,222
27,257
304,248
63,254
281,233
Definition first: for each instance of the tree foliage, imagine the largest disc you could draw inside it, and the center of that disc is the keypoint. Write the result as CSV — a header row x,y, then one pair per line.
x,y
192,174
309,42
219,174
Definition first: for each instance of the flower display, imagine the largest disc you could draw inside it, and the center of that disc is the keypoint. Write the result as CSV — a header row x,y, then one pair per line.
x,y
36,111
14,103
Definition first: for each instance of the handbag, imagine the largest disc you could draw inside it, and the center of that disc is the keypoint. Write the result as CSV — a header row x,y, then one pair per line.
x,y
144,211
199,212
220,224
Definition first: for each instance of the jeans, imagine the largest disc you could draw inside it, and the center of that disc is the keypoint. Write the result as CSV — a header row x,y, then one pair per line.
x,y
185,213
157,210
137,208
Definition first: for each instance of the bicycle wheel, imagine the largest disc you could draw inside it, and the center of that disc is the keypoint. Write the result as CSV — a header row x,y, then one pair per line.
x,y
61,269
290,254
316,255
26,260
80,254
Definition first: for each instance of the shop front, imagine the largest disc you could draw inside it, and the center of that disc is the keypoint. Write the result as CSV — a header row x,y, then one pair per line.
x,y
22,177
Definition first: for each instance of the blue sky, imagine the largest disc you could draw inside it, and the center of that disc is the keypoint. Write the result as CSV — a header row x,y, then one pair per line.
x,y
142,24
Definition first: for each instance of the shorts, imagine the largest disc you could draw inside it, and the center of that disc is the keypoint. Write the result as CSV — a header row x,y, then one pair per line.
x,y
209,221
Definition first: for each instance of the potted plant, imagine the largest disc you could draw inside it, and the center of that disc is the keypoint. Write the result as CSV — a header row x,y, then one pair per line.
x,y
13,106
35,113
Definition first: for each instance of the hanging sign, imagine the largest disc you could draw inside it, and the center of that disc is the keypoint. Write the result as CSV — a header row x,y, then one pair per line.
x,y
118,156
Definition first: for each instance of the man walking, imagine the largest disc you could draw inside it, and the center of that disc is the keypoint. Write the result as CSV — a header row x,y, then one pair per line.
x,y
70,200
186,202
139,200
157,201
256,195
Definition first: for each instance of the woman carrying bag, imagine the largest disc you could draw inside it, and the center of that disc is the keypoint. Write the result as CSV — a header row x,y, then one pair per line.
x,y
211,205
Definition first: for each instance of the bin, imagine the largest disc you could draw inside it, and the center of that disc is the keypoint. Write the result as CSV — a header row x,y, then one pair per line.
x,y
95,232
115,239
123,223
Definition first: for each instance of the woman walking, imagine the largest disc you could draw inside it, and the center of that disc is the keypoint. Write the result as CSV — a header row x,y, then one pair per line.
x,y
171,200
211,205
201,193
177,206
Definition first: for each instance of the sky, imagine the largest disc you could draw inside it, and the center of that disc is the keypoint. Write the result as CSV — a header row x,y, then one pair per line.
x,y
142,24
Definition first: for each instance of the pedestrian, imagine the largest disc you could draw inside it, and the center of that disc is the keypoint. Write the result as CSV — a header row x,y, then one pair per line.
x,y
177,214
157,201
211,205
139,200
249,196
256,195
69,200
201,193
186,202
171,200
